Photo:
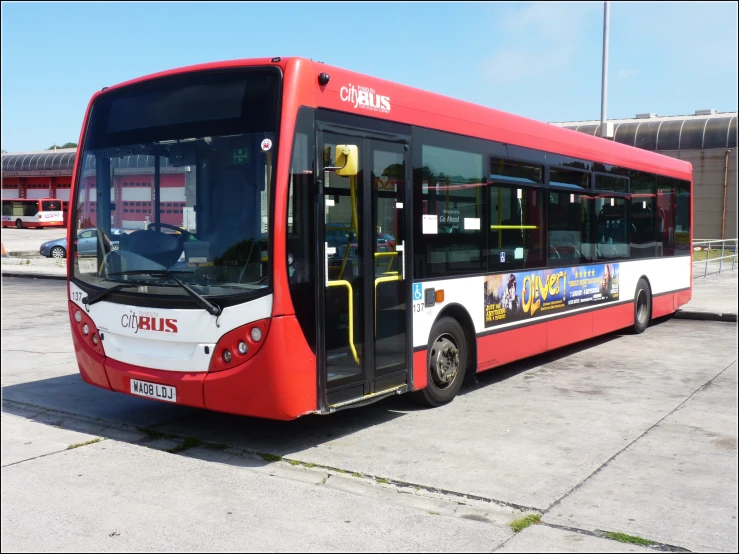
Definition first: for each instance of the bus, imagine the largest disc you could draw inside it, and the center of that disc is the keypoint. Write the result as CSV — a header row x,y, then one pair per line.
x,y
260,283
39,212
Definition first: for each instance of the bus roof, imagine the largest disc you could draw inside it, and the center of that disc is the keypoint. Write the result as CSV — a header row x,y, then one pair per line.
x,y
391,101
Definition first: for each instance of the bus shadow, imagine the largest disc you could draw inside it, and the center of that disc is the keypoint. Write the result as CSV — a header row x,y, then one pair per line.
x,y
69,403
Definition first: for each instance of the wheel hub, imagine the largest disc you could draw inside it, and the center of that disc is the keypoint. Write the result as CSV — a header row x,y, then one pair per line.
x,y
444,361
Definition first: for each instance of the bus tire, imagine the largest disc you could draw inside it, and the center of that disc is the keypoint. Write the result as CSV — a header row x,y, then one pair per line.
x,y
446,361
642,306
18,224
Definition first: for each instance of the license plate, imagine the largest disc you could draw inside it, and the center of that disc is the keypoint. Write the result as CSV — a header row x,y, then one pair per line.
x,y
153,390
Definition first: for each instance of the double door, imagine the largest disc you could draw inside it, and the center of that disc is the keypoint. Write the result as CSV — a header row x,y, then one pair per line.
x,y
364,331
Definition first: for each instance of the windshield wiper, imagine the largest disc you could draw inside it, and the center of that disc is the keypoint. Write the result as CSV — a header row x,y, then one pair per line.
x,y
212,309
90,299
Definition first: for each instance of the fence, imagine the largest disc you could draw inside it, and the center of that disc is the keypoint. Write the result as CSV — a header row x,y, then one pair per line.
x,y
710,250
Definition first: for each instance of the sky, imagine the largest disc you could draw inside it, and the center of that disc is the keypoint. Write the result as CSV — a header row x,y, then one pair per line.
x,y
540,60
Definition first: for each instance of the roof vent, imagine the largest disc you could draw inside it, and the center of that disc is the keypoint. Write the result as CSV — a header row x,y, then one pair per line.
x,y
646,115
705,112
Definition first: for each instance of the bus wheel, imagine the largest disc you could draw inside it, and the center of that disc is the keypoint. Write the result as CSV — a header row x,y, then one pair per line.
x,y
642,306
18,224
447,361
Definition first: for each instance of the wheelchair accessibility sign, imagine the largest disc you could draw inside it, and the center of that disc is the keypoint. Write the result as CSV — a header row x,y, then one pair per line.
x,y
417,292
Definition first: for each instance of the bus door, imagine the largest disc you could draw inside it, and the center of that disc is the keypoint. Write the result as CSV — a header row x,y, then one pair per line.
x,y
364,321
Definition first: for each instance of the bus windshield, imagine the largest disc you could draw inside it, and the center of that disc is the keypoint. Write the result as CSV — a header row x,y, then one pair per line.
x,y
175,179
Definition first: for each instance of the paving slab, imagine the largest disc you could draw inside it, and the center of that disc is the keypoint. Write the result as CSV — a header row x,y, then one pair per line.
x,y
715,294
678,484
24,439
135,499
542,538
526,435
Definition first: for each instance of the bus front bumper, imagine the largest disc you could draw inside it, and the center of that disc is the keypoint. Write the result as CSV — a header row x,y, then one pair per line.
x,y
279,382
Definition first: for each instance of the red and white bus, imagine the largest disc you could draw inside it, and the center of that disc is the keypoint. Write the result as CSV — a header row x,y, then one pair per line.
x,y
339,238
39,212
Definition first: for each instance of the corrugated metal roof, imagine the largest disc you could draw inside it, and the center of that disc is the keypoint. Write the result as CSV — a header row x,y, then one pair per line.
x,y
668,132
48,160
63,160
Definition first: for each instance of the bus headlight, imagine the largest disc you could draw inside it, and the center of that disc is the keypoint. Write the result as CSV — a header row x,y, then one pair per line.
x,y
85,329
227,356
256,334
78,316
243,348
95,339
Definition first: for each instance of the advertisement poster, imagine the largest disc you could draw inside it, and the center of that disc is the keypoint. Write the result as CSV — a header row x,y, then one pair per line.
x,y
525,295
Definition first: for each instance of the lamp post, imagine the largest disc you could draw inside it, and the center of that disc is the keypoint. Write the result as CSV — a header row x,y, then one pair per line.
x,y
604,82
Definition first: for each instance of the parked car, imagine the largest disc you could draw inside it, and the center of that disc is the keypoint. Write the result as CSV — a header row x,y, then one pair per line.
x,y
86,244
387,238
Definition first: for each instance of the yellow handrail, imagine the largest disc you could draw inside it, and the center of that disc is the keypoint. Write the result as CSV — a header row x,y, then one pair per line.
x,y
379,281
514,227
348,285
354,225
386,254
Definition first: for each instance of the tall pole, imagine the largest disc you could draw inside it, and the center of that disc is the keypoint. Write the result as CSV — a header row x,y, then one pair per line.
x,y
604,83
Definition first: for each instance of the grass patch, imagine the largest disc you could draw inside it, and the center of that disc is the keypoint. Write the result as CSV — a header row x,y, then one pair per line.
x,y
629,539
215,446
435,513
355,474
309,465
269,457
188,443
383,481
93,441
293,462
524,522
702,255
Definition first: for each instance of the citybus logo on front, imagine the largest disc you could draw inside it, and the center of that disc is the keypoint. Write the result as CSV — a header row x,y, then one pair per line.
x,y
148,321
365,98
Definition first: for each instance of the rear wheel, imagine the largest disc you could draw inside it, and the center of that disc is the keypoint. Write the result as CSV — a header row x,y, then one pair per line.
x,y
642,306
58,252
446,363
18,224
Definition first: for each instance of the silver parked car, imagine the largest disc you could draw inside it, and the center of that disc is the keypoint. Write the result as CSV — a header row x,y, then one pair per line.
x,y
86,244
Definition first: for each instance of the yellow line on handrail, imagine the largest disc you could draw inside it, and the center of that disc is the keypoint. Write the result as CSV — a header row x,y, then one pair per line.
x,y
514,227
387,254
348,285
379,281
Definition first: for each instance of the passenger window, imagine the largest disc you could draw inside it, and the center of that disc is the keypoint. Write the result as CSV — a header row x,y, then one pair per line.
x,y
517,234
612,239
452,199
569,178
570,229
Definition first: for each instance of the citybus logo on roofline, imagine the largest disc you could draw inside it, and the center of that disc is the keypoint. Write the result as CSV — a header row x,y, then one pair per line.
x,y
365,98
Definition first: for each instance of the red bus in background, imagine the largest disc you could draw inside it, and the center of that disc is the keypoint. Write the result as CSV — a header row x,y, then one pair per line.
x,y
307,239
41,212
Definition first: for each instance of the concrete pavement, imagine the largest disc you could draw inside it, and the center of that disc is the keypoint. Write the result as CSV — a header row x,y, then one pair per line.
x,y
714,298
643,443
26,242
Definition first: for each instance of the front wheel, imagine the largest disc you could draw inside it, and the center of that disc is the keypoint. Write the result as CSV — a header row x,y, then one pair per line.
x,y
18,224
642,306
58,252
446,362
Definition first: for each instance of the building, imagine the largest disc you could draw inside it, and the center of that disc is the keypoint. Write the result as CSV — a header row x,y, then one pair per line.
x,y
48,174
706,139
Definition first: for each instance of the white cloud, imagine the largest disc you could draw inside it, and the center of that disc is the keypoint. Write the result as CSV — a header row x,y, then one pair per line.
x,y
538,40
